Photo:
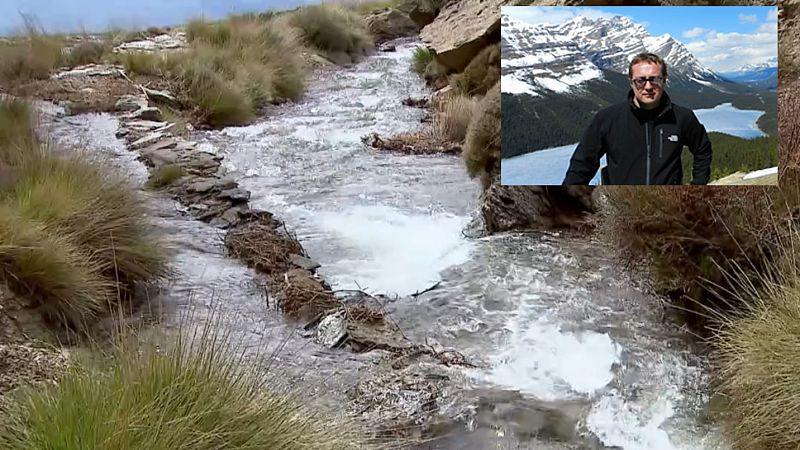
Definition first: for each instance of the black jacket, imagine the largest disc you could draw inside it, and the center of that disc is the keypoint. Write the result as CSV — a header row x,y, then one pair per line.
x,y
641,146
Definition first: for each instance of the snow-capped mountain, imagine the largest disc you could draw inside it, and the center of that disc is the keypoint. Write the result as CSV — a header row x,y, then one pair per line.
x,y
561,53
764,75
536,59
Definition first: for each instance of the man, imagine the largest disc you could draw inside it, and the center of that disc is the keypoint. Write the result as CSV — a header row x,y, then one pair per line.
x,y
643,137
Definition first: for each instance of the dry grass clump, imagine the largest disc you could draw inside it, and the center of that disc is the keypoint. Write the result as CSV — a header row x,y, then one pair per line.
x,y
452,115
140,62
788,125
87,52
33,58
757,359
481,73
337,31
691,237
165,175
199,394
72,238
482,146
261,245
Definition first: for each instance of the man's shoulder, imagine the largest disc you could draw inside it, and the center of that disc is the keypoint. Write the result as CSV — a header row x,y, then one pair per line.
x,y
614,110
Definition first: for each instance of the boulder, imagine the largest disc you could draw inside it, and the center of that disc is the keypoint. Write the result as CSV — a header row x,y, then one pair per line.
x,y
148,114
202,186
332,330
535,207
421,12
303,262
130,103
235,195
390,24
462,29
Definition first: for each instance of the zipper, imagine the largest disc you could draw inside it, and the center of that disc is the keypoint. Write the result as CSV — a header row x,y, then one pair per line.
x,y
661,143
647,138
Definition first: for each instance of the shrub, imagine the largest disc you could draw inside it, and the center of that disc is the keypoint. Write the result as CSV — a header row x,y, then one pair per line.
x,y
200,395
691,237
217,34
165,175
421,58
87,52
69,266
32,60
140,62
482,146
451,117
480,74
333,30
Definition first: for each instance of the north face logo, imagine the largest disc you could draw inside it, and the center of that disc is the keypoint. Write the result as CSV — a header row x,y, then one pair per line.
x,y
673,138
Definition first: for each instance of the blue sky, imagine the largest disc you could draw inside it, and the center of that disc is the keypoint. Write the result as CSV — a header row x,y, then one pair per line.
x,y
721,37
99,15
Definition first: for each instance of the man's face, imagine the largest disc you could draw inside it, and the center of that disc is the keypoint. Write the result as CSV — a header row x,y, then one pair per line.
x,y
648,94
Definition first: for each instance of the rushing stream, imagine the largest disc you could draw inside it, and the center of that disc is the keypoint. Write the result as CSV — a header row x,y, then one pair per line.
x,y
546,315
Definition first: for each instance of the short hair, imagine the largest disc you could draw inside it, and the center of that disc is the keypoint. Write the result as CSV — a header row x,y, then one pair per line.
x,y
647,57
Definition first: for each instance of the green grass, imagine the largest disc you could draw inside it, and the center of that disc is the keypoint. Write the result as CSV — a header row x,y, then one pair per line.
x,y
165,175
87,52
31,59
332,29
70,267
140,62
421,58
200,394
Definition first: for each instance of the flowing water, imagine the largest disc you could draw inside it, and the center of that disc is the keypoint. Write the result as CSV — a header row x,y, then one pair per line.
x,y
554,328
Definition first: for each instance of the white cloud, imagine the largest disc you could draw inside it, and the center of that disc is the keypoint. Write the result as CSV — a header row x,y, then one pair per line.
x,y
728,51
772,15
748,18
694,32
536,15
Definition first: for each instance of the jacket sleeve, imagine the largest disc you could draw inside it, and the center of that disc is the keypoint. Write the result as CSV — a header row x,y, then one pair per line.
x,y
700,146
586,159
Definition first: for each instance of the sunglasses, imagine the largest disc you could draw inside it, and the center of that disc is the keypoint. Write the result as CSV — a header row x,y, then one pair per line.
x,y
642,82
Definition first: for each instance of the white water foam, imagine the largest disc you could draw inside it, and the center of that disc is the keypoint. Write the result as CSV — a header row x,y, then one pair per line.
x,y
393,252
550,364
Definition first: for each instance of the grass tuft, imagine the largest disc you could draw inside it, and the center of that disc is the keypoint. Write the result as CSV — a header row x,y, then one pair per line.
x,y
333,30
451,117
165,175
421,58
482,147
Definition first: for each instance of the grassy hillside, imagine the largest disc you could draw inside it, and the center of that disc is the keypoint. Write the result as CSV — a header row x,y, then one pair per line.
x,y
733,154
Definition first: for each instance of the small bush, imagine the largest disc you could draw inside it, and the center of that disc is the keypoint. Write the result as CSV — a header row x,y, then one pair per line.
x,y
333,30
421,58
218,34
32,60
88,52
691,237
482,146
203,395
66,265
452,116
140,62
480,74
165,175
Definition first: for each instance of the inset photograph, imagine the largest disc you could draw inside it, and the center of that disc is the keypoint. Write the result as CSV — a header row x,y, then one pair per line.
x,y
639,95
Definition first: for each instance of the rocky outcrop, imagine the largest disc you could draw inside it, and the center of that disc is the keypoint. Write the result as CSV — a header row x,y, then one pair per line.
x,y
390,24
535,207
462,29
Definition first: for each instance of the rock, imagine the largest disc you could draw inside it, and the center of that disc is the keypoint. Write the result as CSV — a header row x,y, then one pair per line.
x,y
236,195
387,48
390,24
234,215
151,114
130,103
146,125
303,262
462,29
332,330
186,146
225,183
90,70
422,13
163,97
166,143
415,102
535,207
202,186
203,161
162,157
147,140
218,222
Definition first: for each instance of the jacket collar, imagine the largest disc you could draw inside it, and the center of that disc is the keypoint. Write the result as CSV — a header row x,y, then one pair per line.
x,y
666,103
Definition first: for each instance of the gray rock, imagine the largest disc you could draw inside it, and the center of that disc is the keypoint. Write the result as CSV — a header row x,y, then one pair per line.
x,y
332,330
161,96
162,157
219,222
186,146
153,114
146,125
166,143
202,186
130,103
233,215
303,262
236,195
221,171
226,183
199,206
147,140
